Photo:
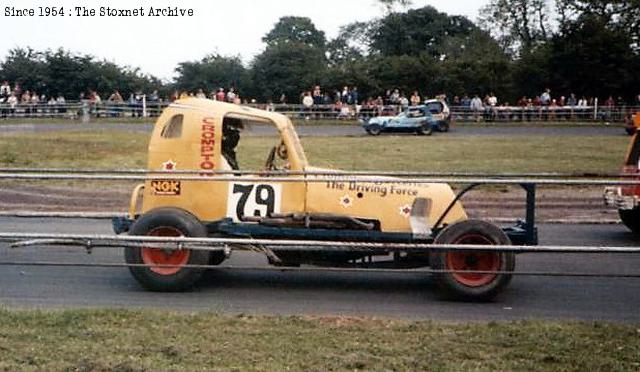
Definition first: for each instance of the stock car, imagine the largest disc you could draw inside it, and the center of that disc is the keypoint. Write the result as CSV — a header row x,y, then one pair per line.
x,y
423,120
222,200
627,198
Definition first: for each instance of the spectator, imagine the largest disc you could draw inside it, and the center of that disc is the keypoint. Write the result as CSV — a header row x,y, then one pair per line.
x,y
415,98
201,94
115,97
637,103
345,94
12,101
476,107
493,105
318,98
5,89
35,99
583,102
231,95
220,95
395,97
571,101
545,97
307,102
354,96
337,97
51,106
283,99
404,102
17,90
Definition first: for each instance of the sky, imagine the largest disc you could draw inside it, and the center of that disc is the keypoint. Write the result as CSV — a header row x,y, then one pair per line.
x,y
157,44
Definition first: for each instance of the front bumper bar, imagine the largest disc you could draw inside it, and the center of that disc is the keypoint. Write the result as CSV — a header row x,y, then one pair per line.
x,y
613,198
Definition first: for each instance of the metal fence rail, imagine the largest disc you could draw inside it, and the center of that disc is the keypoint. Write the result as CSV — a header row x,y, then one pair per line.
x,y
90,242
106,109
318,178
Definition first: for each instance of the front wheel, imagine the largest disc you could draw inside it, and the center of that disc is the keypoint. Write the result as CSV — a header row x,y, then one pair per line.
x,y
631,219
443,127
470,286
164,272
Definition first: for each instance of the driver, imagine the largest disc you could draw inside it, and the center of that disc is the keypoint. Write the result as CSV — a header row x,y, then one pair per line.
x,y
231,128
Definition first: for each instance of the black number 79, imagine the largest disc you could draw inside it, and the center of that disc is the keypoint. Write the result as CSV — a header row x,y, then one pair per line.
x,y
265,195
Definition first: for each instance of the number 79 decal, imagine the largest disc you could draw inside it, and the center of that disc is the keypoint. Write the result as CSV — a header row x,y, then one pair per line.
x,y
257,200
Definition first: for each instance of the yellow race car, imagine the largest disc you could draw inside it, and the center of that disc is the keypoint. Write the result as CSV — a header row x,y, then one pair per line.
x,y
201,136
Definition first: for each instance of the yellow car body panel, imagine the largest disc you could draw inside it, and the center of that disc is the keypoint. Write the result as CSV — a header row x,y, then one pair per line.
x,y
188,137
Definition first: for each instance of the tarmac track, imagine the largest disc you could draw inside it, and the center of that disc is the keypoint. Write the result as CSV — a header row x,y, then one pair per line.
x,y
401,295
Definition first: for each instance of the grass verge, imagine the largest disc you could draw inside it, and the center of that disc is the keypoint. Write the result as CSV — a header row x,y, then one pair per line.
x,y
82,340
109,149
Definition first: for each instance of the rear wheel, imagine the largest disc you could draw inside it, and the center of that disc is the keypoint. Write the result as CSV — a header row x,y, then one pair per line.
x,y
374,129
466,285
425,129
631,219
167,275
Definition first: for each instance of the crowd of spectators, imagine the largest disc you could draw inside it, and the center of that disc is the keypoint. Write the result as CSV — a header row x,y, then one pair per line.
x,y
543,107
345,103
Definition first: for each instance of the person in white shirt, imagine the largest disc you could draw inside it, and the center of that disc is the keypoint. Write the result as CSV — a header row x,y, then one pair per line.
x,y
5,89
13,102
476,106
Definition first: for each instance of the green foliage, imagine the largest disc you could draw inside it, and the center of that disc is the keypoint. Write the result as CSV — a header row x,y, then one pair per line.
x,y
519,25
296,30
62,72
212,72
602,62
417,31
287,69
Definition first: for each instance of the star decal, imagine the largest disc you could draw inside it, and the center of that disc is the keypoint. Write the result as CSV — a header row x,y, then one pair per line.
x,y
169,166
405,210
346,201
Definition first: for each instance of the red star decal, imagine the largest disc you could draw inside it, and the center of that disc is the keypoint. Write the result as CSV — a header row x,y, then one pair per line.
x,y
406,210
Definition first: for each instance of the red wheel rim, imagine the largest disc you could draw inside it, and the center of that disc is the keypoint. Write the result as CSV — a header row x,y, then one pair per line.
x,y
473,261
161,257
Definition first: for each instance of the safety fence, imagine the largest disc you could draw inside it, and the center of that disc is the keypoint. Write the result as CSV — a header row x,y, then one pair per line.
x,y
87,110
265,246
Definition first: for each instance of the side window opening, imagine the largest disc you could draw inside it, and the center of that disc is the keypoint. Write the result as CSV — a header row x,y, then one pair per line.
x,y
173,128
241,152
231,128
435,107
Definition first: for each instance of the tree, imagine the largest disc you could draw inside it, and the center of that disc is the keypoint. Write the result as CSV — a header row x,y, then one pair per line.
x,y
593,59
295,30
63,72
287,69
417,31
212,72
621,15
517,24
391,5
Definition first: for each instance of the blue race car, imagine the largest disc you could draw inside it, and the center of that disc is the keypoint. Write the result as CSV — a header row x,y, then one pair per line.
x,y
417,119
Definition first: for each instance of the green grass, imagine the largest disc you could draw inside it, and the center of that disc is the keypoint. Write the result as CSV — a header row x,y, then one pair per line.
x,y
110,149
83,340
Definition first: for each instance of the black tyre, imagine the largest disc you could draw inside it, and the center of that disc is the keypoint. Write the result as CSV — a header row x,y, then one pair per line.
x,y
631,130
167,222
631,219
374,129
425,129
472,286
443,127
